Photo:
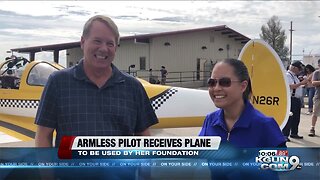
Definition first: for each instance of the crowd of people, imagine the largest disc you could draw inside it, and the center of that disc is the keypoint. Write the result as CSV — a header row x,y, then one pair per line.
x,y
304,81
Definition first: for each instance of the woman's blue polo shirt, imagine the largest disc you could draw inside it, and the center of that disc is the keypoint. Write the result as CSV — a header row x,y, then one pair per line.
x,y
252,129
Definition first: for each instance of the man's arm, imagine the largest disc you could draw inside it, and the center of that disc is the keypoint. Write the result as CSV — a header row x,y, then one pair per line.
x,y
44,136
315,79
44,139
295,86
146,116
316,83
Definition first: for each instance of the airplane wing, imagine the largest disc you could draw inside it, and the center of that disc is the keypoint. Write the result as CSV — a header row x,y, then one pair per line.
x,y
16,128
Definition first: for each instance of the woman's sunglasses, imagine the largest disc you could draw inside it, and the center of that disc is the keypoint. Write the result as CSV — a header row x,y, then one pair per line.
x,y
223,82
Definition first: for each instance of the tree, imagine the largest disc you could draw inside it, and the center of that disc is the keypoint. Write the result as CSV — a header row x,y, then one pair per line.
x,y
275,36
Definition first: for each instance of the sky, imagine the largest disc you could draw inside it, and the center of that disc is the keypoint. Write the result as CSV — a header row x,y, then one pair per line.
x,y
34,23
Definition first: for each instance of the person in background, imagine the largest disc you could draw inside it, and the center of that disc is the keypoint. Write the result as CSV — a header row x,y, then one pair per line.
x,y
301,76
316,100
295,86
164,74
310,89
237,121
93,98
153,79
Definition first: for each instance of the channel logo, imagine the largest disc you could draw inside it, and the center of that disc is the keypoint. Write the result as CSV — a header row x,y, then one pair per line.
x,y
277,160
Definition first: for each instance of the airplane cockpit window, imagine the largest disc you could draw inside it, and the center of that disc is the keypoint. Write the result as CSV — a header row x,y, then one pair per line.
x,y
39,74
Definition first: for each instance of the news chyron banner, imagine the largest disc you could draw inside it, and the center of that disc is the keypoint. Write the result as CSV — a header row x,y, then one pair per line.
x,y
288,163
135,147
271,93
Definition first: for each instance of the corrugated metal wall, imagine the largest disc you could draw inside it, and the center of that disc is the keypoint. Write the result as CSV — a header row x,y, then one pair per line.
x,y
129,53
312,60
73,56
180,55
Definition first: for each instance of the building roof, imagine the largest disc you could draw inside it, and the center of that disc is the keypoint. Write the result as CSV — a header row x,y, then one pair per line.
x,y
144,38
50,47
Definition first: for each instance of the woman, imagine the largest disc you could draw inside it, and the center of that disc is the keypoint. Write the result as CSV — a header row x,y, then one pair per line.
x,y
237,121
309,87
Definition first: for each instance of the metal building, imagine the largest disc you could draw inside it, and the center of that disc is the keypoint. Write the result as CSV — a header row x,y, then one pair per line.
x,y
311,59
191,51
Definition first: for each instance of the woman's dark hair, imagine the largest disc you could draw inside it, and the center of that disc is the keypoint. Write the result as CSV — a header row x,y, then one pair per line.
x,y
310,67
241,71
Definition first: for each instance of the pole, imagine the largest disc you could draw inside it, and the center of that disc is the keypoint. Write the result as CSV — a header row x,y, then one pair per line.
x,y
291,41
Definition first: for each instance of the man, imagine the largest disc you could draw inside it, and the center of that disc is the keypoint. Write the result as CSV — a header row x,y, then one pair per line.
x,y
93,97
164,74
316,100
296,92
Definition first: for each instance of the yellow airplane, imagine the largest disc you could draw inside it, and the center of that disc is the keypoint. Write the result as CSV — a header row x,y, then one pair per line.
x,y
22,83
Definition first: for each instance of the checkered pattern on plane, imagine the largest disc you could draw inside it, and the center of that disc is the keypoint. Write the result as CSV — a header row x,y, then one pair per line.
x,y
157,101
19,103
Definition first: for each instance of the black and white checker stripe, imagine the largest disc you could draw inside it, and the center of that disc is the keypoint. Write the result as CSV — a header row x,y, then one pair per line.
x,y
157,101
19,103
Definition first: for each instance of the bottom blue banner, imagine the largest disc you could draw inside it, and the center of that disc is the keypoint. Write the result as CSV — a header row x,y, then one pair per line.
x,y
225,163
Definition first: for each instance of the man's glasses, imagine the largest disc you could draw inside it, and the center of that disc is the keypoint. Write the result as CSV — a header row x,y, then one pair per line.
x,y
223,82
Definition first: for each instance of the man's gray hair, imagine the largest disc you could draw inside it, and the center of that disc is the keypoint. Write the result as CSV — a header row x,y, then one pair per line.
x,y
104,19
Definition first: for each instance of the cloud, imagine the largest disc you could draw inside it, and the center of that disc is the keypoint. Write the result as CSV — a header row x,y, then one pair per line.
x,y
172,19
62,21
21,21
29,26
70,10
127,17
23,30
